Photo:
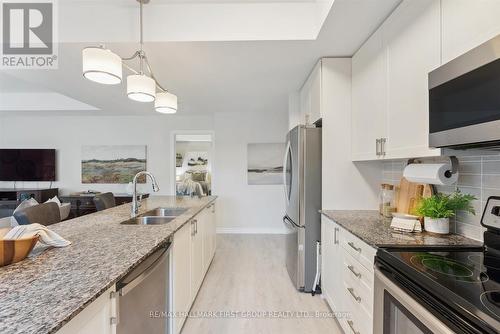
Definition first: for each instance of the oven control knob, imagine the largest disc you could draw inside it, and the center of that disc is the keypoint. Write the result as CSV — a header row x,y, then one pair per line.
x,y
495,210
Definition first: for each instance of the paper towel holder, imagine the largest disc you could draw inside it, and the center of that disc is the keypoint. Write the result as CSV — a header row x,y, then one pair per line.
x,y
448,173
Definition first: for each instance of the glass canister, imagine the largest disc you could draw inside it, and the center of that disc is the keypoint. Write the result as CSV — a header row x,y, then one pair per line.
x,y
386,200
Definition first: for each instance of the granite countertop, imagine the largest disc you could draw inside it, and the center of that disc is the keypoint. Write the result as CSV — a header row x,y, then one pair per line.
x,y
375,230
51,286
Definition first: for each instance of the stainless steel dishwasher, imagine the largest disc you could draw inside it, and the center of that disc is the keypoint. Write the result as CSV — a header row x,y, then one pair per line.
x,y
144,296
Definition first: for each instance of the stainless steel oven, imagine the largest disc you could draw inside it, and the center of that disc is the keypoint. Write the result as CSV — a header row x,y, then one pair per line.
x,y
464,103
395,311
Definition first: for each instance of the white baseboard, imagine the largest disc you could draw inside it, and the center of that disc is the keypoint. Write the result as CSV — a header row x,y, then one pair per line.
x,y
250,230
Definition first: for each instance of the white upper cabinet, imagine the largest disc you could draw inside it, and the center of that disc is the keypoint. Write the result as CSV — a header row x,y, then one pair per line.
x,y
369,104
305,104
413,47
467,24
315,93
310,97
390,108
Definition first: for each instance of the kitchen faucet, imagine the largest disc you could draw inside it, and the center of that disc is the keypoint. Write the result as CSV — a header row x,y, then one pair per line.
x,y
137,203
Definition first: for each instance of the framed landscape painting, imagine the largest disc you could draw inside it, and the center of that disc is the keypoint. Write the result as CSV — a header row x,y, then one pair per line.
x,y
265,163
112,164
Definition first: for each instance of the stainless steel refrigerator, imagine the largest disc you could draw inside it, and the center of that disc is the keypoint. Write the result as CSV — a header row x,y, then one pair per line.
x,y
302,176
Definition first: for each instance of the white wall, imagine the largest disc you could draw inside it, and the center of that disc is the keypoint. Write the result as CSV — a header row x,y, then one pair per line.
x,y
245,208
242,208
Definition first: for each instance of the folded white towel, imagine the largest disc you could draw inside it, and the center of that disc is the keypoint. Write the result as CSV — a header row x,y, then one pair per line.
x,y
47,236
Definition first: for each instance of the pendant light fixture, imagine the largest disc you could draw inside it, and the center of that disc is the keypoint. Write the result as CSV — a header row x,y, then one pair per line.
x,y
104,66
166,103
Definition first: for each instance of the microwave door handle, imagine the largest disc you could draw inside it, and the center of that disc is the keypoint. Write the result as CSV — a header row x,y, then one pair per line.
x,y
127,287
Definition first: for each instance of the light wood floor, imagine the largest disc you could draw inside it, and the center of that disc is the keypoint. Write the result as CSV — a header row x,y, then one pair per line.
x,y
248,274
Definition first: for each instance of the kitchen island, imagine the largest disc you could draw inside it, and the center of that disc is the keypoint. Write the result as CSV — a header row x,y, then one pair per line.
x,y
45,291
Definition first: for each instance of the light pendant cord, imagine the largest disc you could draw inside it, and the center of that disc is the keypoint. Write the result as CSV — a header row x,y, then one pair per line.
x,y
141,55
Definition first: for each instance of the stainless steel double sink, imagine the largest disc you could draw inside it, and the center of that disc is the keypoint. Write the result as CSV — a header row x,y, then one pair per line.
x,y
159,216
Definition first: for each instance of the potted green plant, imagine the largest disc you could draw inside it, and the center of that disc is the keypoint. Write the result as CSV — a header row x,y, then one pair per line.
x,y
439,208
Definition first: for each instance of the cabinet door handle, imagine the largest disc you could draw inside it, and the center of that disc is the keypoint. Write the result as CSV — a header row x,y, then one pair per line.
x,y
357,249
115,309
357,298
335,235
382,145
195,226
351,325
351,268
377,147
193,231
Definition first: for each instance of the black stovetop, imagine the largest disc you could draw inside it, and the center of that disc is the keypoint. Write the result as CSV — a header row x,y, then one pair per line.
x,y
468,280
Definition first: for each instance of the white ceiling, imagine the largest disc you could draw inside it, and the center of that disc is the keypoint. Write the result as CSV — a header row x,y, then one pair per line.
x,y
211,76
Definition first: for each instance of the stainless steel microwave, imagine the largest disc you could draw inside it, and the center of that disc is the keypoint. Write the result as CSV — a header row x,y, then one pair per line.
x,y
464,99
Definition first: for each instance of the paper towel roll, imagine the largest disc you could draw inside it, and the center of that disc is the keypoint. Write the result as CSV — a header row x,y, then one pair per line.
x,y
439,174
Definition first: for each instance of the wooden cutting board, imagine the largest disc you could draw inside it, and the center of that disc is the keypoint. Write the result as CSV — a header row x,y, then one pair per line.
x,y
409,194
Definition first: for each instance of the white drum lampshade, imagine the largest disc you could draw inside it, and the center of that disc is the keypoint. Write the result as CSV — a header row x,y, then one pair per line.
x,y
166,103
141,88
102,66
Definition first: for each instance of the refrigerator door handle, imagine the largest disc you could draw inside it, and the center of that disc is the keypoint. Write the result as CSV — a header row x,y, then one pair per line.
x,y
287,223
287,219
285,167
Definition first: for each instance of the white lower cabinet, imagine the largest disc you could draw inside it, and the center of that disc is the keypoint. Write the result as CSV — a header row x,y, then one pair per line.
x,y
347,277
181,276
197,273
193,251
98,317
331,261
209,236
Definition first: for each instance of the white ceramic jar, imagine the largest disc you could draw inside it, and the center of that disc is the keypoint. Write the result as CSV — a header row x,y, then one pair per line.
x,y
437,225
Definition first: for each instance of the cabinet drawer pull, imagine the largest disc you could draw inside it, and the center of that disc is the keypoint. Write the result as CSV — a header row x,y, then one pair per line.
x,y
357,249
351,324
351,268
335,235
357,298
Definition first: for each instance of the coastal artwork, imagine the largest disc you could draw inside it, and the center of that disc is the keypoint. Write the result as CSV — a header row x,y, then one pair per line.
x,y
112,164
265,163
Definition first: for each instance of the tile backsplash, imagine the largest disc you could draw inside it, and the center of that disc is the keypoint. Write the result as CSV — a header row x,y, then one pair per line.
x,y
478,175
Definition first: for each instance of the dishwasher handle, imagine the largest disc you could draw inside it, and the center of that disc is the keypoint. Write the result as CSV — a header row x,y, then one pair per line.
x,y
139,274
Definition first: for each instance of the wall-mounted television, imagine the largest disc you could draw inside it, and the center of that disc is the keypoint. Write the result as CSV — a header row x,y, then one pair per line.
x,y
27,165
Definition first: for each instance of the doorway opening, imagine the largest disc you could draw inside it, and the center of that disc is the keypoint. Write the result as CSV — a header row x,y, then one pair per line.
x,y
193,163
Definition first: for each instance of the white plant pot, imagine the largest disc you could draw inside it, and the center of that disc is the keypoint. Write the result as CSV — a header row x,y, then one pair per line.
x,y
437,225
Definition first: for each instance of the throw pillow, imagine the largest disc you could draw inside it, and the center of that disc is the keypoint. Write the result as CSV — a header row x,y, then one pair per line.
x,y
54,199
24,204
